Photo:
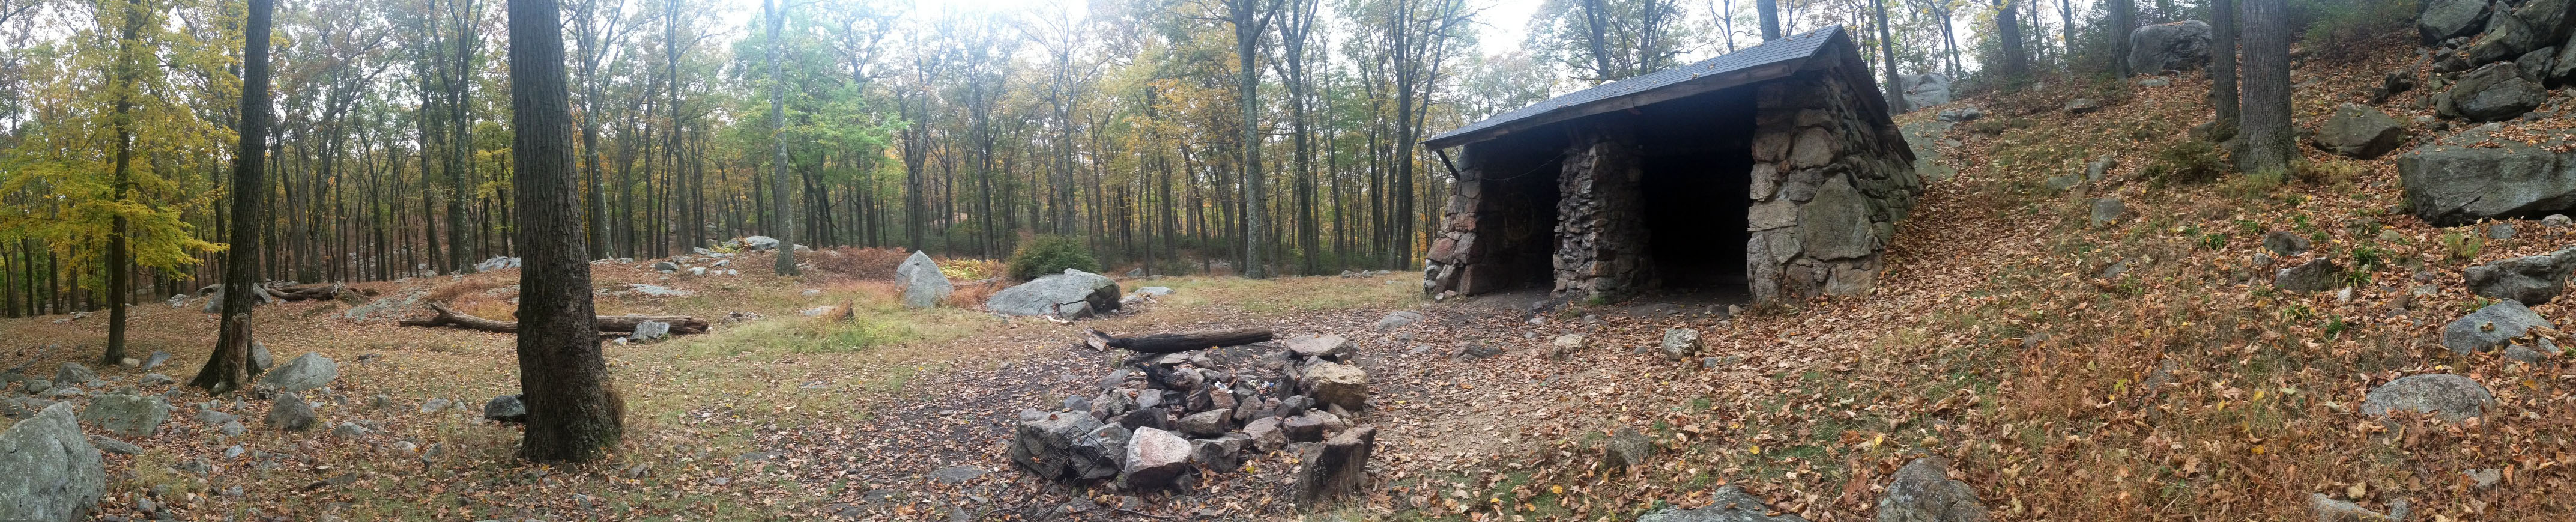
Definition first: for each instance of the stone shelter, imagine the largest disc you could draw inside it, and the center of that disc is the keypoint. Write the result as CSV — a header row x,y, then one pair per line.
x,y
1773,171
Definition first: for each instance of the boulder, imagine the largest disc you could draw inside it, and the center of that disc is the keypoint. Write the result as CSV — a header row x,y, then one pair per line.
x,y
2327,509
649,330
1207,423
72,374
260,360
1071,294
157,358
1337,385
506,409
2494,92
1326,347
666,267
2505,37
2447,19
923,284
1627,449
2107,211
1267,433
2531,280
1729,504
2491,327
1221,453
2316,275
1924,90
2450,183
1155,458
1334,468
1923,492
2445,396
2177,46
127,414
1564,345
2359,131
1680,343
304,372
48,471
291,413
758,243
2082,106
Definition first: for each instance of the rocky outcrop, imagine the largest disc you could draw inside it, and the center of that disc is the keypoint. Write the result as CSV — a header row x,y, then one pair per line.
x,y
2442,395
1072,294
48,471
2359,131
2495,92
1923,492
2452,183
1924,90
2531,280
2177,46
923,284
2447,19
1729,504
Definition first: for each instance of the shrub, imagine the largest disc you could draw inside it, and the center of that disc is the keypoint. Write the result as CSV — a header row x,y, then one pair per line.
x,y
2328,172
1042,255
2186,162
2342,27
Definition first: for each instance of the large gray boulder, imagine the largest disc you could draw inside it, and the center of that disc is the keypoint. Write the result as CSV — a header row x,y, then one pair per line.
x,y
2491,327
506,409
2494,92
48,471
127,414
2449,183
2530,280
923,285
758,243
2359,131
305,372
496,263
1071,294
73,374
1729,504
2178,46
291,413
1338,385
1924,90
2447,19
1923,492
2445,396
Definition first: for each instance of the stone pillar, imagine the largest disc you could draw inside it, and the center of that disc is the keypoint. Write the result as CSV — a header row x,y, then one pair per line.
x,y
1826,191
1600,222
1454,251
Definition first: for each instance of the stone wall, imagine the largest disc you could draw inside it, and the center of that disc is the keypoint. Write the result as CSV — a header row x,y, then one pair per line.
x,y
1828,185
1601,247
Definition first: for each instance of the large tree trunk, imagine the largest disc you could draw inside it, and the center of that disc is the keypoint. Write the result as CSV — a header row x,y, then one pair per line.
x,y
229,367
1769,10
2266,119
2122,20
1248,22
2222,62
2008,32
778,136
573,412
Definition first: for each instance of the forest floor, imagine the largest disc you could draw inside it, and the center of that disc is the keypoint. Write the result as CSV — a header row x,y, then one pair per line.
x,y
2122,370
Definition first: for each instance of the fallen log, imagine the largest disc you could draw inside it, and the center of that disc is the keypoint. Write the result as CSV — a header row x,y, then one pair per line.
x,y
680,324
1176,342
306,292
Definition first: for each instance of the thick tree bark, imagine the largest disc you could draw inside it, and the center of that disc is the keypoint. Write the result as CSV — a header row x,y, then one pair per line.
x,y
2123,19
2016,64
1248,20
229,368
2222,62
1176,342
2266,119
778,201
120,264
574,414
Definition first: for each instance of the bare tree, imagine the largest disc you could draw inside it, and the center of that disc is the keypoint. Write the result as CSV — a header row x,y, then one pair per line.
x,y
1769,10
573,413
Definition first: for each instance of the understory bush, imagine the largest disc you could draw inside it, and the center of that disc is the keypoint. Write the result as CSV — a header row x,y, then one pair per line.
x,y
1042,255
2186,162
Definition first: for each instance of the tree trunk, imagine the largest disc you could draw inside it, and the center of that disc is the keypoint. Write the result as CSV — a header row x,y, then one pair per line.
x,y
1769,10
2123,19
2008,32
2222,62
786,209
120,265
2266,118
574,413
1887,55
229,367
1247,39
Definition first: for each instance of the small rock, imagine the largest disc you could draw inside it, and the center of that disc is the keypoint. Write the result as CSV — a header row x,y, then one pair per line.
x,y
1627,449
434,405
1154,458
2328,509
1565,345
1338,385
304,372
2491,327
1399,318
506,409
155,379
2554,221
957,474
666,267
2484,478
349,430
232,428
115,446
1326,347
2285,243
2316,275
1209,423
1680,343
2500,231
1923,491
650,330
2082,106
71,373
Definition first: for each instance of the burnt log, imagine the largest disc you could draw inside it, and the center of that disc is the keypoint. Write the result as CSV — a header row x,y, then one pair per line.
x,y
307,292
680,324
1176,342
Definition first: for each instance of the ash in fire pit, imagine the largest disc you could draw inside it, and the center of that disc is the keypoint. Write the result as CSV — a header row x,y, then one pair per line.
x,y
1165,418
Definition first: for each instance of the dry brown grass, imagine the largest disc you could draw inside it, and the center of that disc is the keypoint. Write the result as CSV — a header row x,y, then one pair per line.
x,y
859,263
